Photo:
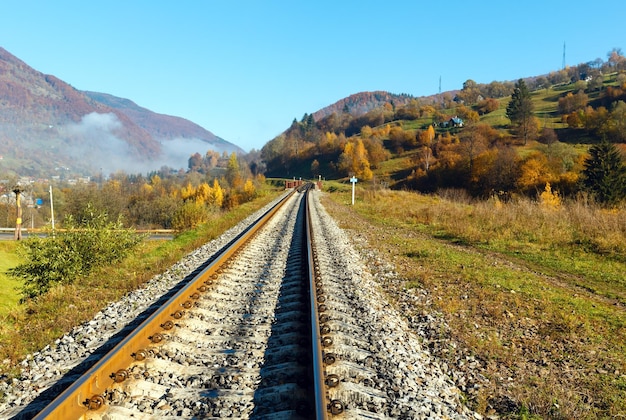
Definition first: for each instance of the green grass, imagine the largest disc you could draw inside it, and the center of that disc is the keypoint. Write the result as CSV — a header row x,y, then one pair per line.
x,y
417,124
397,163
9,296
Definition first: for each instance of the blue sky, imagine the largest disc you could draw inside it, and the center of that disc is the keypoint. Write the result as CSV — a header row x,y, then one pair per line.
x,y
245,69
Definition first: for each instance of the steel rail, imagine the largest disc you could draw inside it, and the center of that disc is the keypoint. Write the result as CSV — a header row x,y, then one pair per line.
x,y
87,392
314,279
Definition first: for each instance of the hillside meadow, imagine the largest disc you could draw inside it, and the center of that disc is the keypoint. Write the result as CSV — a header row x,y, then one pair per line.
x,y
535,293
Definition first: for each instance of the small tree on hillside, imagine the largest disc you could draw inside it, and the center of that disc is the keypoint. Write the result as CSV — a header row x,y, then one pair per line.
x,y
354,160
217,194
520,109
233,175
604,176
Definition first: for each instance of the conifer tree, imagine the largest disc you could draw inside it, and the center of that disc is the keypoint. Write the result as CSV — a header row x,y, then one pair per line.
x,y
604,176
520,109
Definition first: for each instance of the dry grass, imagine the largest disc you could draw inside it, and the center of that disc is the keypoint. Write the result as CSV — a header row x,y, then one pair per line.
x,y
536,295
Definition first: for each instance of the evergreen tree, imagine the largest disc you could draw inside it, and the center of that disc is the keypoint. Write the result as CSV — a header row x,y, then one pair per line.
x,y
520,109
604,176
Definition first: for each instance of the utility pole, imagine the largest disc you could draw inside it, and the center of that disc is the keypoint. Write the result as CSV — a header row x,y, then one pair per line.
x,y
52,210
18,220
440,99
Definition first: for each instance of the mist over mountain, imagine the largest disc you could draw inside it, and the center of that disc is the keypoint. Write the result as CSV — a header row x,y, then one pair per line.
x,y
47,127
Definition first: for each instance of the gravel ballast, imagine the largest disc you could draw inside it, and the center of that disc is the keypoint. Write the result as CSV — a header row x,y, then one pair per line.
x,y
379,353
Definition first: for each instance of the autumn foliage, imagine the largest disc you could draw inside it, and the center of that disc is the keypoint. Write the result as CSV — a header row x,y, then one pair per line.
x,y
455,142
354,160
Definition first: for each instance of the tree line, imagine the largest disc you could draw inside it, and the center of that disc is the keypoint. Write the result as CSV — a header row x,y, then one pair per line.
x,y
163,199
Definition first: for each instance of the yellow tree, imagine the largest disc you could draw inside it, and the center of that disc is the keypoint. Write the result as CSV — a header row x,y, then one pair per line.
x,y
426,139
366,131
549,199
248,189
203,193
345,160
376,152
354,160
427,111
187,192
232,171
157,185
468,114
146,190
217,194
328,141
362,162
534,172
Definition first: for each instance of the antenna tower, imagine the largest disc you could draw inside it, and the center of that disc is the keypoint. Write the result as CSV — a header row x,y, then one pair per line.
x,y
440,89
563,55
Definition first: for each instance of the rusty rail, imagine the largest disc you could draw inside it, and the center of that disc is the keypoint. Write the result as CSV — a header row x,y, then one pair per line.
x,y
87,392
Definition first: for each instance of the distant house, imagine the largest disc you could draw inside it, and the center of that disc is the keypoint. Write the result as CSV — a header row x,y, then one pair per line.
x,y
452,122
456,122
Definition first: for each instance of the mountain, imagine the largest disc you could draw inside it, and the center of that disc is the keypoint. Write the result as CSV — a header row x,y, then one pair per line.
x,y
361,103
48,127
161,126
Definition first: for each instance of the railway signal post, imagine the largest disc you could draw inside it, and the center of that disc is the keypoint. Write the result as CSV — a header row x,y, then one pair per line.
x,y
353,180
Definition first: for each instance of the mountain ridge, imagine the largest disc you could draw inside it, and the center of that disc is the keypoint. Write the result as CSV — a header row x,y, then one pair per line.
x,y
45,123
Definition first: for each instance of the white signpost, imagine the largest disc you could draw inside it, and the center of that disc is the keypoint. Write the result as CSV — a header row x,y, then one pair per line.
x,y
353,180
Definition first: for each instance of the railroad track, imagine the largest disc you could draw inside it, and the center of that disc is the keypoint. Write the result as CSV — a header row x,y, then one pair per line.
x,y
283,327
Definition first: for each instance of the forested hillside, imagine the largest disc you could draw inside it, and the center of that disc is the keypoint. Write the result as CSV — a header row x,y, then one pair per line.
x,y
517,137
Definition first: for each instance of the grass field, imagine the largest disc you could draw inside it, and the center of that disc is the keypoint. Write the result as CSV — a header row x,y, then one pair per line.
x,y
536,296
9,297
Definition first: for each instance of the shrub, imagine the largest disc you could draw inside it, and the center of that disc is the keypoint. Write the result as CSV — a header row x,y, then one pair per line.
x,y
549,199
189,215
64,256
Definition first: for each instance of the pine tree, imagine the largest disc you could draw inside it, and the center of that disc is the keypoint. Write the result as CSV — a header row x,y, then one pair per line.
x,y
604,176
520,109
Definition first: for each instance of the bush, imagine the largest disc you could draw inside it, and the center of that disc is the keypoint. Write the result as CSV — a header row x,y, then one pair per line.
x,y
190,215
64,256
